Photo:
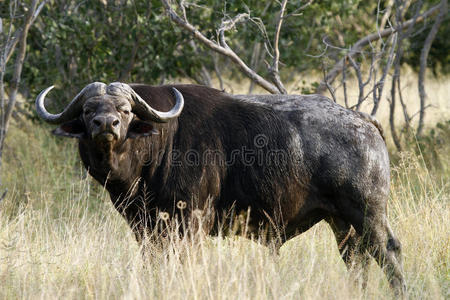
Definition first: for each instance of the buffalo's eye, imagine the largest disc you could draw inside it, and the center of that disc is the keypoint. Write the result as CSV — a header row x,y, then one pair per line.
x,y
87,111
124,110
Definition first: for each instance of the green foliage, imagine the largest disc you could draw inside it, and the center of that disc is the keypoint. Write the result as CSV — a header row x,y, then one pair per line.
x,y
432,148
74,42
439,56
301,35
434,145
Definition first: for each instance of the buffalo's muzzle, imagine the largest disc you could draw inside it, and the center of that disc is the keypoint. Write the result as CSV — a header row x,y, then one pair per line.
x,y
105,128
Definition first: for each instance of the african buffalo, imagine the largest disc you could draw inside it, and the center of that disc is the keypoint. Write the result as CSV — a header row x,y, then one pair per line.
x,y
287,161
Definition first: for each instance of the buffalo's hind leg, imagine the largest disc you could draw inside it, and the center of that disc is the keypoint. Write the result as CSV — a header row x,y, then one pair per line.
x,y
353,254
386,249
379,240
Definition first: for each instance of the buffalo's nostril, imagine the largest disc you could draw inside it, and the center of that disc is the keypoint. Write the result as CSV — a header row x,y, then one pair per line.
x,y
97,122
115,123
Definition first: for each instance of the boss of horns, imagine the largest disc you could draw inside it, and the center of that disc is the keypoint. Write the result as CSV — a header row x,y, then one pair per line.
x,y
95,89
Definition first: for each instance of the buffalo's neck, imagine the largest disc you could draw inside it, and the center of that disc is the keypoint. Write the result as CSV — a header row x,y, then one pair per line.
x,y
123,169
111,167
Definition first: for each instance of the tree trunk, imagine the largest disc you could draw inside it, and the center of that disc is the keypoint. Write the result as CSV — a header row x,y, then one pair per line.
x,y
17,72
423,62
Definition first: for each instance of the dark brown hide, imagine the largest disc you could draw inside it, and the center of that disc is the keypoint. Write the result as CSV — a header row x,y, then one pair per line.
x,y
289,160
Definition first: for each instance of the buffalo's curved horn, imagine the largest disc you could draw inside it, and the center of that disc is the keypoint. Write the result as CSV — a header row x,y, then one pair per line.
x,y
73,109
145,111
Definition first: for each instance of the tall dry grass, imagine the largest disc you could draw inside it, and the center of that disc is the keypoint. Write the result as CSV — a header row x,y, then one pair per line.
x,y
61,238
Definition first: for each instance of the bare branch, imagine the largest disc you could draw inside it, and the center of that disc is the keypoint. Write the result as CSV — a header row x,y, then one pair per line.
x,y
217,69
231,23
276,58
357,47
386,15
228,25
330,88
254,62
403,104
298,10
418,112
396,75
344,84
225,51
423,61
379,85
12,38
392,113
38,10
360,81
11,46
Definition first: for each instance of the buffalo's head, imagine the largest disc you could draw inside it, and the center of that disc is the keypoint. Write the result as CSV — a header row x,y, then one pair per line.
x,y
107,114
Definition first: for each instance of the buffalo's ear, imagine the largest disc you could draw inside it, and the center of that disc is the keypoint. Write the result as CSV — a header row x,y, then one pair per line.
x,y
139,128
73,129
